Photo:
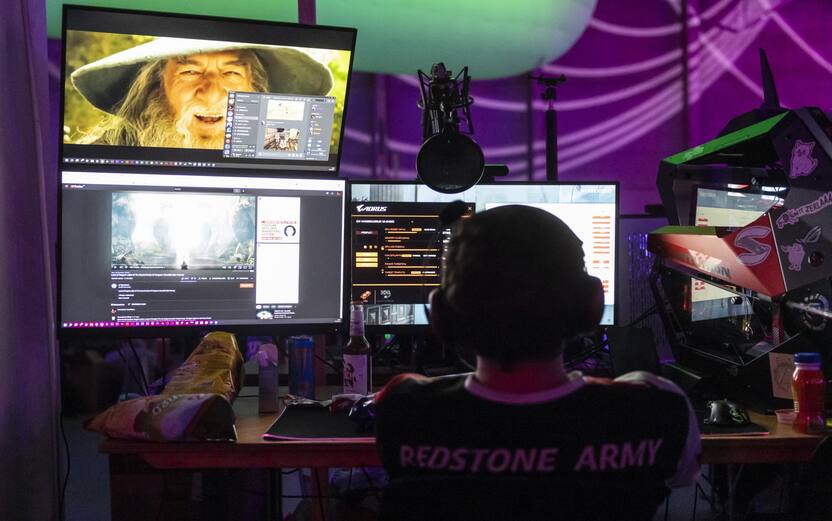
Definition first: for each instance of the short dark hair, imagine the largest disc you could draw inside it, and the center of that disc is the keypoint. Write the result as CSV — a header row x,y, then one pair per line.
x,y
507,283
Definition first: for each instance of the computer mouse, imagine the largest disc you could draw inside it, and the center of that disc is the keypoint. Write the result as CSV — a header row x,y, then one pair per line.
x,y
363,413
725,413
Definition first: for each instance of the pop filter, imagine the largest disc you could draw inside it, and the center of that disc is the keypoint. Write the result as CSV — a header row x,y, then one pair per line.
x,y
450,162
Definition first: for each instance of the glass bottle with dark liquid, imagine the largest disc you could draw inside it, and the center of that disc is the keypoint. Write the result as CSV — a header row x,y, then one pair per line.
x,y
357,355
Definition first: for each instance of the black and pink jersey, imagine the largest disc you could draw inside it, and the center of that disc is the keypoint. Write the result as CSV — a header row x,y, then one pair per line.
x,y
638,429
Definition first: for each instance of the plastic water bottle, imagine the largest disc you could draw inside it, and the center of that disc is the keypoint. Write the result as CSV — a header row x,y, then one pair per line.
x,y
808,389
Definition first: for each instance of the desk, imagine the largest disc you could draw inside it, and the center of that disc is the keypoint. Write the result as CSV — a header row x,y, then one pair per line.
x,y
132,459
782,445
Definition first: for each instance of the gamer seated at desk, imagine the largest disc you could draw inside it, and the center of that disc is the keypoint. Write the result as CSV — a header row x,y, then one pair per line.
x,y
511,298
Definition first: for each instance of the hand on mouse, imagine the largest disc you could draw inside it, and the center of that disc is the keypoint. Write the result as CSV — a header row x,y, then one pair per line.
x,y
343,402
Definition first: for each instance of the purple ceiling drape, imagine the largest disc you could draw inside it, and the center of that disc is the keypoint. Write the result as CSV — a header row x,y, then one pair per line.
x,y
28,376
643,83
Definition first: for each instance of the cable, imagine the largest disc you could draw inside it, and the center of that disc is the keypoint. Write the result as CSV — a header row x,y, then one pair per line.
x,y
652,309
320,497
62,498
164,361
162,497
128,369
322,360
695,501
369,479
141,368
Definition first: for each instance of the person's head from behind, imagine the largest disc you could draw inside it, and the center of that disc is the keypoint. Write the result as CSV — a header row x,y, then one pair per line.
x,y
514,287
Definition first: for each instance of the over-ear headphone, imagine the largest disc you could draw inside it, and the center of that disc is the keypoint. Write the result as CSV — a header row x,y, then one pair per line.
x,y
583,311
579,307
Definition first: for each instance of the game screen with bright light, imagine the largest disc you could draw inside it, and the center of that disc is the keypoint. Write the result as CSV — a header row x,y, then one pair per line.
x,y
159,250
172,90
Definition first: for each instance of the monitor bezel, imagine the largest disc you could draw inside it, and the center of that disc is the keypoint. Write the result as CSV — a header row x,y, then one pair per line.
x,y
424,329
253,329
231,168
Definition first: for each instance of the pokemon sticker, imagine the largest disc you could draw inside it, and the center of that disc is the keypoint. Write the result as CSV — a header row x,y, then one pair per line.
x,y
797,251
802,163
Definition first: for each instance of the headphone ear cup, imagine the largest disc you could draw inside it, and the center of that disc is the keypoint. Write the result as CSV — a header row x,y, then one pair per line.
x,y
594,310
441,317
442,321
586,308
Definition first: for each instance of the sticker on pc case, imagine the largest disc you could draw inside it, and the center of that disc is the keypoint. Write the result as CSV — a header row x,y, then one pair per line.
x,y
802,163
793,215
756,252
782,368
797,251
815,309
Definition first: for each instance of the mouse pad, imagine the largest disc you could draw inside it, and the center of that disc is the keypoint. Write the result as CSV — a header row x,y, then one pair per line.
x,y
314,423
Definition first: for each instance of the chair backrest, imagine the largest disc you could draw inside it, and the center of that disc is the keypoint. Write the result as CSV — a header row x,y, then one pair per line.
x,y
513,498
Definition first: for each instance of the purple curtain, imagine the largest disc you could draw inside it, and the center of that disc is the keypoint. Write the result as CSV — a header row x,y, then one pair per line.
x,y
29,390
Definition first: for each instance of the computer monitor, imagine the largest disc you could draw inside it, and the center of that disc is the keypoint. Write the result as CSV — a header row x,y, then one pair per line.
x,y
145,253
172,90
734,208
397,242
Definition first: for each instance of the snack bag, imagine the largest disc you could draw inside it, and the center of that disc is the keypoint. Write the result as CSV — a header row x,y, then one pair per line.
x,y
174,417
194,406
215,366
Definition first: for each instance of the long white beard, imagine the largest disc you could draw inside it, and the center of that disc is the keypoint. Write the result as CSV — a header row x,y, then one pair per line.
x,y
191,140
162,130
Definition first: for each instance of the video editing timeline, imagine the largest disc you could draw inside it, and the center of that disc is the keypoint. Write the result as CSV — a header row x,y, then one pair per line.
x,y
397,252
590,210
276,126
151,250
732,209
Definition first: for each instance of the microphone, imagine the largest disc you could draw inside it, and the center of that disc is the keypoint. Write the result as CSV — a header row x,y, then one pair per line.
x,y
452,213
442,96
449,161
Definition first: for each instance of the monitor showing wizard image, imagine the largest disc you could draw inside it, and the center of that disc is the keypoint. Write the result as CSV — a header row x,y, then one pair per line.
x,y
153,89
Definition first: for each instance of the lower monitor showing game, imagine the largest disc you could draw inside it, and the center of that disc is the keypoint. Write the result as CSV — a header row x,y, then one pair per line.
x,y
398,241
145,252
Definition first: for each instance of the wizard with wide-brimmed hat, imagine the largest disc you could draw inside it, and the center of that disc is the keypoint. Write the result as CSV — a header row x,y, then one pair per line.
x,y
173,92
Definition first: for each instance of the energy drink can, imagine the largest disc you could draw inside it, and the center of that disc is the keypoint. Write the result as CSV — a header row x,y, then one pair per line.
x,y
302,366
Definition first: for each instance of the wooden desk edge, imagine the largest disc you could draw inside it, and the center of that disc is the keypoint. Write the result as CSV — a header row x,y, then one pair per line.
x,y
251,451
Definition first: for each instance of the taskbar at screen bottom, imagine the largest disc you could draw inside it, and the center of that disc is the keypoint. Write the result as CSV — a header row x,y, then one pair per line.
x,y
141,323
176,328
174,323
397,315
